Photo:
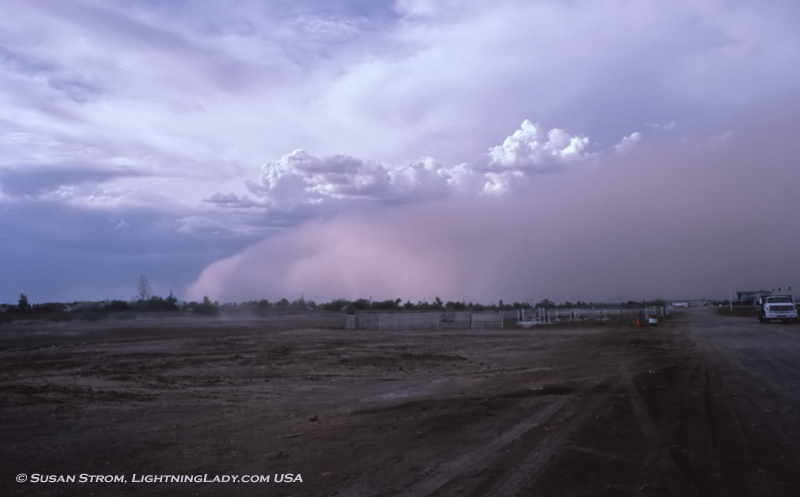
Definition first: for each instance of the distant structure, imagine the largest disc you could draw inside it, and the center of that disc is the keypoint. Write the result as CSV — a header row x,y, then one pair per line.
x,y
78,306
50,307
689,303
751,297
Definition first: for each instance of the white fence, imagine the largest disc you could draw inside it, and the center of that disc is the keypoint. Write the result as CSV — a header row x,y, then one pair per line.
x,y
551,316
425,320
494,320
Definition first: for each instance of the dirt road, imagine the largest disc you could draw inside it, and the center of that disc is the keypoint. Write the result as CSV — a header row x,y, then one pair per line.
x,y
700,405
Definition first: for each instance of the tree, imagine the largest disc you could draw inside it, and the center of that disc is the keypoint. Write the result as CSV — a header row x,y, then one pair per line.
x,y
171,302
117,306
205,308
23,304
143,291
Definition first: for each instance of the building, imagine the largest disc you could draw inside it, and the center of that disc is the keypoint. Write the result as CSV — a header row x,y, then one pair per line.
x,y
751,297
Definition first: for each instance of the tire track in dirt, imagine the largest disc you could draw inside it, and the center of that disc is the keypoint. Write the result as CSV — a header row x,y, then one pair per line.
x,y
657,465
526,466
518,471
685,458
471,461
518,480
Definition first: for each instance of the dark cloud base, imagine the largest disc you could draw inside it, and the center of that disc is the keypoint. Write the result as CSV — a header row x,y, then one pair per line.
x,y
55,252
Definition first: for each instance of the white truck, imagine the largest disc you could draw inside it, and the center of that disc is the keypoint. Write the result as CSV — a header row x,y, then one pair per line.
x,y
781,307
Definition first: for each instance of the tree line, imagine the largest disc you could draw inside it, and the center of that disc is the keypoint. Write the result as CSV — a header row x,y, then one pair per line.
x,y
154,303
146,301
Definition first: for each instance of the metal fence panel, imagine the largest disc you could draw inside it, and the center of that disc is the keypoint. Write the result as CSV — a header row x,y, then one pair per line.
x,y
425,320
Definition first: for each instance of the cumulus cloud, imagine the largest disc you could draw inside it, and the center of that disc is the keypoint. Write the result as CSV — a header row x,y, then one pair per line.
x,y
529,149
301,179
628,142
530,152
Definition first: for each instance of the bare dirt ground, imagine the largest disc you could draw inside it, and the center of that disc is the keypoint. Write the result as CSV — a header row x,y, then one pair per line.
x,y
700,405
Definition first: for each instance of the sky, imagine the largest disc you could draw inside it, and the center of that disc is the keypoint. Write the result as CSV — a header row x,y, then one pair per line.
x,y
478,151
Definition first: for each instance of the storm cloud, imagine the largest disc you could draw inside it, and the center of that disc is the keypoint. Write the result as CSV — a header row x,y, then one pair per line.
x,y
147,133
